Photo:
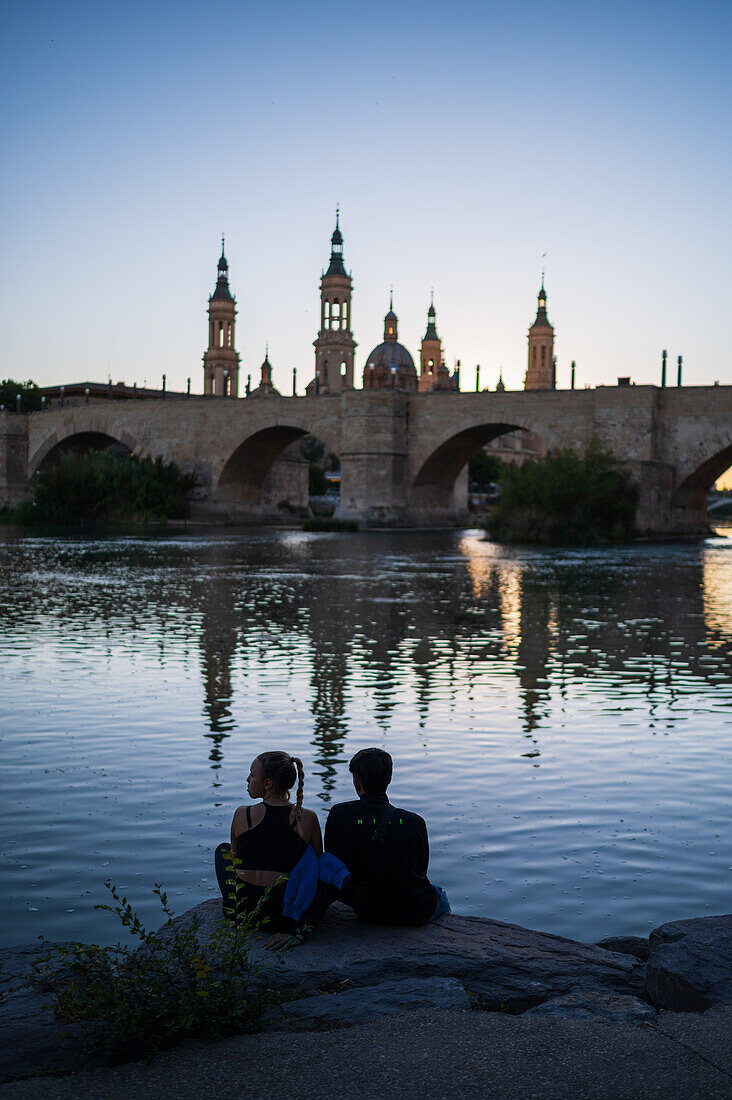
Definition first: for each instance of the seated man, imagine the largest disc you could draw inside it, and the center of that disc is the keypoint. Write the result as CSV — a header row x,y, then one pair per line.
x,y
385,849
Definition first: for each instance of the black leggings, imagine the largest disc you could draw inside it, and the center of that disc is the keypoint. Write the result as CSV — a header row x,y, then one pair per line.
x,y
239,898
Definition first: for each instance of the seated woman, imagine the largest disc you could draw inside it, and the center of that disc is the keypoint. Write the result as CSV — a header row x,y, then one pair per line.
x,y
268,840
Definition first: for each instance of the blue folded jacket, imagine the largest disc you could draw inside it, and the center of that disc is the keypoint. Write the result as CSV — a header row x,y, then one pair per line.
x,y
303,881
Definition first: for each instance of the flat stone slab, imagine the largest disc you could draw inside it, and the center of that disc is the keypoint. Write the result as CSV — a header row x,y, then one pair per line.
x,y
363,1003
508,967
689,966
615,1008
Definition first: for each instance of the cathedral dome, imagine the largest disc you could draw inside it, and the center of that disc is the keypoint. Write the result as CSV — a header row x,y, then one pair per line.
x,y
390,366
389,354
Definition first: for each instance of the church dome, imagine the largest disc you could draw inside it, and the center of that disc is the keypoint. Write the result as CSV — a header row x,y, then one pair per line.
x,y
389,354
390,365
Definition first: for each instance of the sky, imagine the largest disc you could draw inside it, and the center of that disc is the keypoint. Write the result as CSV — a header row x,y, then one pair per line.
x,y
463,141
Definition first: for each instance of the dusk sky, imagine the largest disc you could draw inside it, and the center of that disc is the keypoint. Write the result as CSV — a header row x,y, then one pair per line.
x,y
462,141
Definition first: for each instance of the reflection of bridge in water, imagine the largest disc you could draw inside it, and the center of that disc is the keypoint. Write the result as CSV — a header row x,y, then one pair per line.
x,y
402,455
570,622
381,625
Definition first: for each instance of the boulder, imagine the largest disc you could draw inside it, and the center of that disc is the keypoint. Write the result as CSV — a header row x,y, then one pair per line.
x,y
615,1008
689,966
509,968
626,945
34,1040
362,1003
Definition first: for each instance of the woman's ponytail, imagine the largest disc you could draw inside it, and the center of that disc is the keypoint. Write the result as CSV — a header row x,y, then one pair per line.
x,y
300,786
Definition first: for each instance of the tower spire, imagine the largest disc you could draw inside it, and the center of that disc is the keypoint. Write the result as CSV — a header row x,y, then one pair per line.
x,y
335,346
540,368
221,361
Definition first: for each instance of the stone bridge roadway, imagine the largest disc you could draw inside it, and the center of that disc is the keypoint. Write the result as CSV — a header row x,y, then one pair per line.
x,y
400,454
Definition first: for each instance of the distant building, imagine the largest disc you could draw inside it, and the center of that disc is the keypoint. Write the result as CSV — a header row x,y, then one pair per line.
x,y
265,387
390,366
433,374
335,347
541,370
220,361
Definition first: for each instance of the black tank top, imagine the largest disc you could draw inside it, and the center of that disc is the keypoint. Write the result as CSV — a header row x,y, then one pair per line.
x,y
273,844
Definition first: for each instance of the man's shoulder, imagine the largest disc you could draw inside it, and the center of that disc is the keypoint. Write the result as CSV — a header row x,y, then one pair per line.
x,y
408,817
346,809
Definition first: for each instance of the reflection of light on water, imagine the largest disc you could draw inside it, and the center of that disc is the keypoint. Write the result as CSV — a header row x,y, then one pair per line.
x,y
480,557
510,596
483,558
718,595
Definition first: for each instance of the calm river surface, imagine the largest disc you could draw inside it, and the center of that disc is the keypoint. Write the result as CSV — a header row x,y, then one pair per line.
x,y
562,718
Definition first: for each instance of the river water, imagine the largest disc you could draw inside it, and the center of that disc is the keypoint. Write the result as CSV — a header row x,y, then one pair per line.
x,y
561,718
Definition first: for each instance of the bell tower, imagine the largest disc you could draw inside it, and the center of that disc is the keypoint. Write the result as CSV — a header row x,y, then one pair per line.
x,y
221,361
335,346
540,373
433,374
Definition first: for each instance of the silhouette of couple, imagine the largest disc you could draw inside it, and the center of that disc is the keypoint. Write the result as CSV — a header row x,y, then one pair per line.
x,y
275,869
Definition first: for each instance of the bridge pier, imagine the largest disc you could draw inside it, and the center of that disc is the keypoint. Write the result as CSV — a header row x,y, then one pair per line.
x,y
13,459
656,514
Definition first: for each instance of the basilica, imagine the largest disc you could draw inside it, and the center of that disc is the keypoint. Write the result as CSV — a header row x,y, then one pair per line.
x,y
389,366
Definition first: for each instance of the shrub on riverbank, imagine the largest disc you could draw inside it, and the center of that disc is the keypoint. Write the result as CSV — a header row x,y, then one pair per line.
x,y
566,499
133,1002
107,486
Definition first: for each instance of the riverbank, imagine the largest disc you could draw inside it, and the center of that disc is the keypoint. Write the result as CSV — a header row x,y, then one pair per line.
x,y
432,1055
523,987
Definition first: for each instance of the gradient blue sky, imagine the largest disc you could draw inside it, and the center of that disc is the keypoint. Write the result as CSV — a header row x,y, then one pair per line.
x,y
462,140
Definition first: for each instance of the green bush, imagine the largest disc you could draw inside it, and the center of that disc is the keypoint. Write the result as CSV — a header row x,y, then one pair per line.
x,y
134,1001
565,499
484,470
30,395
107,486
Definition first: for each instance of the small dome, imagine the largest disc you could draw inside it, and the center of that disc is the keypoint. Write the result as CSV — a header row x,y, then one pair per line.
x,y
223,263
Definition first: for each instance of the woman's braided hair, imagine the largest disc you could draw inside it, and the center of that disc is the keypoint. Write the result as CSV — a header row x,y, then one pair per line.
x,y
284,770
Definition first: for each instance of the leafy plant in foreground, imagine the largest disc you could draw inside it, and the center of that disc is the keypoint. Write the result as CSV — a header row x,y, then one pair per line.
x,y
136,1000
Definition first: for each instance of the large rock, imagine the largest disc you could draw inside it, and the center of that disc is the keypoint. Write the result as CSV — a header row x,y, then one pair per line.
x,y
509,968
33,1039
362,1003
689,966
626,945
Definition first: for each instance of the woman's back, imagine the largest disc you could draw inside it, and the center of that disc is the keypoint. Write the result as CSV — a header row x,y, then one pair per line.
x,y
273,844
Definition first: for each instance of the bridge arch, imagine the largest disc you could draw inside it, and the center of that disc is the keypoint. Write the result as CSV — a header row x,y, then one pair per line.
x,y
243,473
439,467
75,441
691,493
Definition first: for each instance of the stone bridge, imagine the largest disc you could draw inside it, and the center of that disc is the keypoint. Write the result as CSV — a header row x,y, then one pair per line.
x,y
401,455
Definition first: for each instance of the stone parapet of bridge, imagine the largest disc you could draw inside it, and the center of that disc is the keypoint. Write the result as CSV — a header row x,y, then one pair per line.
x,y
403,456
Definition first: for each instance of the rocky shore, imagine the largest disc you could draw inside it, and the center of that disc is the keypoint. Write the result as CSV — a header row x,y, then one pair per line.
x,y
350,974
